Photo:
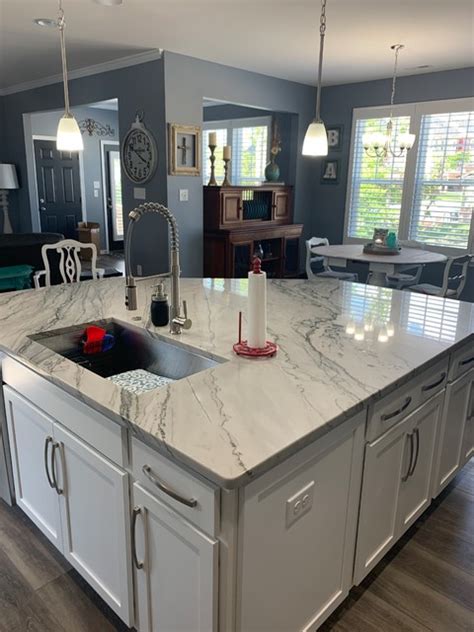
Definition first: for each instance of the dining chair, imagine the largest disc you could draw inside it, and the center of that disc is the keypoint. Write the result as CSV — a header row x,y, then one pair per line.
x,y
327,273
401,280
69,265
455,273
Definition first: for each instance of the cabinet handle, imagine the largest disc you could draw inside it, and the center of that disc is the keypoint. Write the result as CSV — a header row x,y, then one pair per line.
x,y
411,471
405,476
136,512
56,446
189,502
429,387
467,361
397,412
47,441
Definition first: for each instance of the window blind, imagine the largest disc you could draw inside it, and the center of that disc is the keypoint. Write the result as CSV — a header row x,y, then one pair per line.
x,y
430,318
377,183
443,200
219,164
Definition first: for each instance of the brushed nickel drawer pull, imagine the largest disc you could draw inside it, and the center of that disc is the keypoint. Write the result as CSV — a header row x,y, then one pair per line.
x,y
136,512
56,446
429,387
47,441
467,361
189,502
397,412
406,476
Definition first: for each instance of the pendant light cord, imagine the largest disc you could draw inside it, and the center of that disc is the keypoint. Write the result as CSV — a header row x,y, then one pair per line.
x,y
322,33
62,37
397,48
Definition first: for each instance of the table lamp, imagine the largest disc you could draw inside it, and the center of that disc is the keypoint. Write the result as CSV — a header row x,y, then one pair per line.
x,y
8,180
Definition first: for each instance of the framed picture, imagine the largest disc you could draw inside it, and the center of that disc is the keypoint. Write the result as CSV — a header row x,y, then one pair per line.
x,y
335,137
184,150
330,171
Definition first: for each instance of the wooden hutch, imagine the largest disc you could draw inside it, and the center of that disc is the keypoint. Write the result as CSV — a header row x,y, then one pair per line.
x,y
238,220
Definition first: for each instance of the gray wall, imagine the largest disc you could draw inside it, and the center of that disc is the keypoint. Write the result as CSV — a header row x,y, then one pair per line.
x,y
46,123
337,105
285,123
136,87
187,82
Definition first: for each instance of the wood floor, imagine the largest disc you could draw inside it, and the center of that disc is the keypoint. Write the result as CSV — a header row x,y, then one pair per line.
x,y
426,582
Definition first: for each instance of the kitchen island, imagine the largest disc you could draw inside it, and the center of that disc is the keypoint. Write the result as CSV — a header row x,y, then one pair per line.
x,y
237,496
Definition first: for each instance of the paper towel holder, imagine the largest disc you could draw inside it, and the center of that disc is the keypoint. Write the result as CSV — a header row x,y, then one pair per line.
x,y
241,347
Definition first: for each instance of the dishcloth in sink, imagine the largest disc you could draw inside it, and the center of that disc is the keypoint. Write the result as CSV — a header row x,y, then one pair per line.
x,y
139,381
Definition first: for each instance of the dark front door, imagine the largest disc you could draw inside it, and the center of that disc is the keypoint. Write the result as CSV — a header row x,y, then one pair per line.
x,y
59,188
113,186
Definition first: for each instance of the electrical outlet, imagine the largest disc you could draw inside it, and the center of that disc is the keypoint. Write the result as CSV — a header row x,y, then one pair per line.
x,y
139,193
183,195
96,193
299,504
139,270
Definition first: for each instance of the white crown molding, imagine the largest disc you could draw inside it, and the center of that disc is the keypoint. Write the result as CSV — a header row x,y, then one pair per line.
x,y
96,69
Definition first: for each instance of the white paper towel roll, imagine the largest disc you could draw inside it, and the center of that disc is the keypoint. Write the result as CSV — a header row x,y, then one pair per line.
x,y
257,310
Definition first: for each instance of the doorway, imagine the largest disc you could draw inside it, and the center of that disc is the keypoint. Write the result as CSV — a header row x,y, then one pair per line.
x,y
58,176
113,195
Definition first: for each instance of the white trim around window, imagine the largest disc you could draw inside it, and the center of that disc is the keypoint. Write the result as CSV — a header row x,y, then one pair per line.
x,y
415,111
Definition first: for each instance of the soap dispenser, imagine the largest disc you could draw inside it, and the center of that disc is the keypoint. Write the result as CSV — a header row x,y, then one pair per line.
x,y
160,309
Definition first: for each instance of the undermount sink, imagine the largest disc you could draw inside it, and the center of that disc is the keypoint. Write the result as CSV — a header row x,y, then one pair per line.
x,y
135,350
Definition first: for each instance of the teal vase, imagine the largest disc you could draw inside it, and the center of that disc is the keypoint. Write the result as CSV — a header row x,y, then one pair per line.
x,y
272,171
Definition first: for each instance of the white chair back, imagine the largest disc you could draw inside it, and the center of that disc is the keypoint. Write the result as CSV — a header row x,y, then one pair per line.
x,y
70,267
455,273
312,258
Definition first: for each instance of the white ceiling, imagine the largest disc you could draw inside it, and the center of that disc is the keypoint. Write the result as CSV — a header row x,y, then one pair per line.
x,y
274,37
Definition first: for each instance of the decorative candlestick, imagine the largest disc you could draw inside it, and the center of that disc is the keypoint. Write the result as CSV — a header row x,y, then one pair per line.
x,y
226,182
212,180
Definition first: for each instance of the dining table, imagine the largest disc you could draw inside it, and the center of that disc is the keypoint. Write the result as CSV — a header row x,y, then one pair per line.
x,y
379,264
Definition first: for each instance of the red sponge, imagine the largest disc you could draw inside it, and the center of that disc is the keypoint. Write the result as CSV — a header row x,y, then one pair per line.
x,y
93,339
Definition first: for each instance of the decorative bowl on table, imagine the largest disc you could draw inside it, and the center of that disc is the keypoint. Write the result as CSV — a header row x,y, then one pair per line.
x,y
380,249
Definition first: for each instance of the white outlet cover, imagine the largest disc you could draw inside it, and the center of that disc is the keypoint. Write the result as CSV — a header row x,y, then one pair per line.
x,y
96,184
96,193
299,504
139,193
184,195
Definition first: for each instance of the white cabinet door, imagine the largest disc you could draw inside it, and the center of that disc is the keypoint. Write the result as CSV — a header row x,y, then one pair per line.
x,y
176,570
31,440
416,481
449,458
95,518
386,461
468,441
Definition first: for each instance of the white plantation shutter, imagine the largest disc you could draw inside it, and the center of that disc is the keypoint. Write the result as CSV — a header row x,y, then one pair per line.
x,y
376,186
443,199
427,317
249,139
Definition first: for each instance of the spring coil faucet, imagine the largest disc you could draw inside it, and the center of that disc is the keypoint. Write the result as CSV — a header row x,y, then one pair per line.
x,y
177,321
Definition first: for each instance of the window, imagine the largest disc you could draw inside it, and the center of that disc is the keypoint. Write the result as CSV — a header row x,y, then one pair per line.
x,y
249,139
427,195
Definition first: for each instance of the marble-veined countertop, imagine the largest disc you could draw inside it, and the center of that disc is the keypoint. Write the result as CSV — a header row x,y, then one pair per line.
x,y
342,345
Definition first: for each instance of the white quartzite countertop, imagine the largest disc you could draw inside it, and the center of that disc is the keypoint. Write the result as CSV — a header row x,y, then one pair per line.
x,y
233,422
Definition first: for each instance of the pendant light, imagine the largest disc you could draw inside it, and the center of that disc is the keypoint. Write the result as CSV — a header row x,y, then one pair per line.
x,y
68,136
316,139
380,144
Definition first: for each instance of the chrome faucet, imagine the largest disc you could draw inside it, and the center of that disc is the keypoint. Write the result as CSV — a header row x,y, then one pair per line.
x,y
177,320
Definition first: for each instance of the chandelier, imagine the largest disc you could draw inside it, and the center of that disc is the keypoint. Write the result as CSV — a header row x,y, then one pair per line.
x,y
380,144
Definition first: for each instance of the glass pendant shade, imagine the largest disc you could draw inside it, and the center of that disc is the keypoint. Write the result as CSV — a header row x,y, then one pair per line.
x,y
406,141
316,140
375,140
69,137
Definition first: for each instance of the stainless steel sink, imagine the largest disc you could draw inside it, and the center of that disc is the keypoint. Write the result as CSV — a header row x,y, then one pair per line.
x,y
134,349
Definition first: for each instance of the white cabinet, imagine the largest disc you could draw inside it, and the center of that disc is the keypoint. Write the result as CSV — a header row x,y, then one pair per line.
x,y
31,441
396,486
468,440
76,497
95,518
452,431
176,569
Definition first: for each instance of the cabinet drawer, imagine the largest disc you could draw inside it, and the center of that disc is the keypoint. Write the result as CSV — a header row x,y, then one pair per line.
x,y
461,361
396,406
191,497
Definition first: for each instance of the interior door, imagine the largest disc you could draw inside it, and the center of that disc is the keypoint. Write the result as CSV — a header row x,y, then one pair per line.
x,y
94,514
113,190
59,188
31,438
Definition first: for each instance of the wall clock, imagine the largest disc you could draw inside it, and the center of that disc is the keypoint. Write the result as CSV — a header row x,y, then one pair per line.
x,y
139,152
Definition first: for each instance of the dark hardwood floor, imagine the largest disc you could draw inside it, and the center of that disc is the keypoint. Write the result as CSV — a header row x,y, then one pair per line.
x,y
425,583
